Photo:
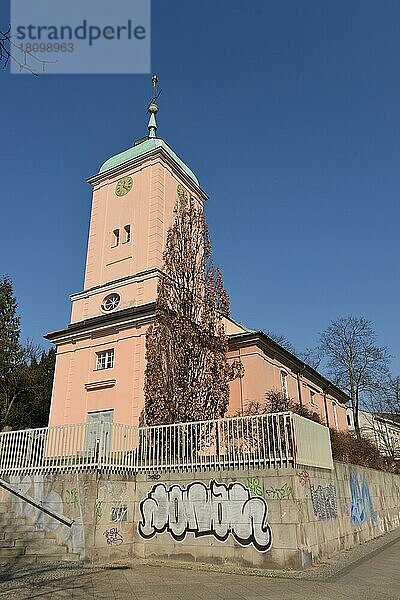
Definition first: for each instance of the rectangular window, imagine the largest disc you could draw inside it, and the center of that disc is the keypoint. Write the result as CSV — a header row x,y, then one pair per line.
x,y
127,231
105,360
313,397
115,238
335,415
284,383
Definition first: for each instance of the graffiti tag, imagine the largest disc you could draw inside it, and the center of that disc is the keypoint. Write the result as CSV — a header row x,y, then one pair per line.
x,y
217,510
72,498
283,493
113,537
119,513
254,485
304,477
98,510
361,501
323,500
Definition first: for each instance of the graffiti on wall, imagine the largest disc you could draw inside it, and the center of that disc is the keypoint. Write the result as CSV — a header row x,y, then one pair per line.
x,y
72,498
119,513
254,485
304,477
362,507
285,492
217,510
98,510
323,500
34,487
113,537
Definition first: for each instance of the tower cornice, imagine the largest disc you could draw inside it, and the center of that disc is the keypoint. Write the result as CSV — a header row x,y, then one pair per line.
x,y
158,153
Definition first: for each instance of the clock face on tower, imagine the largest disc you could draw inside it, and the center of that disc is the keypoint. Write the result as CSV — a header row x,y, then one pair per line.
x,y
124,186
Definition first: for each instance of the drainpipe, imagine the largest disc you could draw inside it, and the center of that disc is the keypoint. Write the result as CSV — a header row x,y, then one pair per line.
x,y
241,390
325,405
299,384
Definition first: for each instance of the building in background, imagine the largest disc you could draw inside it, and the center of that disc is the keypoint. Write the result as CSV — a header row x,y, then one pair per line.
x,y
100,361
383,429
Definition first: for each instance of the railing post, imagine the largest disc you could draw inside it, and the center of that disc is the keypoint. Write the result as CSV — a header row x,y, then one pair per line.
x,y
218,440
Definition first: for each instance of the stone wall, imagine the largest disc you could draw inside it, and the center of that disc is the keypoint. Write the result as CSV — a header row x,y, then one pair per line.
x,y
276,518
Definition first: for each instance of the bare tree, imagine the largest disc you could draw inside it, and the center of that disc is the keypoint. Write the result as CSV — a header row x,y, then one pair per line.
x,y
311,356
187,373
282,340
11,52
393,396
354,360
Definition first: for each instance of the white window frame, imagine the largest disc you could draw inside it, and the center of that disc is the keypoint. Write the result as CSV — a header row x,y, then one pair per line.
x,y
105,359
313,394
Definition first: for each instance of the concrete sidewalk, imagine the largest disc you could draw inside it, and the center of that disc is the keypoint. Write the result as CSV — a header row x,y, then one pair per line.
x,y
369,572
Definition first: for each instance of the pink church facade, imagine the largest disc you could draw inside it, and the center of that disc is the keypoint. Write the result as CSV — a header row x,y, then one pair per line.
x,y
100,358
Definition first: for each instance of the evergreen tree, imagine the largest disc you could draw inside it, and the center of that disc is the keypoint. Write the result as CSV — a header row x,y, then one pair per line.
x,y
12,363
32,409
187,373
26,373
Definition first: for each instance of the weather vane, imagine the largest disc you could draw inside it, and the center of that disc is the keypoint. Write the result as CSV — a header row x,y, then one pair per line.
x,y
154,82
152,108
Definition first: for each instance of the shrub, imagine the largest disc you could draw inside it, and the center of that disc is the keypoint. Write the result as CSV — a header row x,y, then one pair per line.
x,y
346,447
276,402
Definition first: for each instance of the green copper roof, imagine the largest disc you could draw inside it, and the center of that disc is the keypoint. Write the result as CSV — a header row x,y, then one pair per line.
x,y
141,148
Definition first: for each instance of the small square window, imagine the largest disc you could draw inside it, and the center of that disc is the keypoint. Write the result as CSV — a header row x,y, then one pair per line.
x,y
127,232
105,360
115,238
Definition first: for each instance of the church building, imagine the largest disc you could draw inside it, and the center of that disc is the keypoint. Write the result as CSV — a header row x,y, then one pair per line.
x,y
100,358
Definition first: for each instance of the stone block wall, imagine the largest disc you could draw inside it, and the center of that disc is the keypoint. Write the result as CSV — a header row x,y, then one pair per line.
x,y
271,518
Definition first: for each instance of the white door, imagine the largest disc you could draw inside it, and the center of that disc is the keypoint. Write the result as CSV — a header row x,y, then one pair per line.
x,y
98,433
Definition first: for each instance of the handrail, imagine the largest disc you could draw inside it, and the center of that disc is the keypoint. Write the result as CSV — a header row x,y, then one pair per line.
x,y
38,505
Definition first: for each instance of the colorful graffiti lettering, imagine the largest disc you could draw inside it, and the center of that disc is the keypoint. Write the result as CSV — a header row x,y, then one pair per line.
x,y
254,485
361,501
324,501
216,509
283,493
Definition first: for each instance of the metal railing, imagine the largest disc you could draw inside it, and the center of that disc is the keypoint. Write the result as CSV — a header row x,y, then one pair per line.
x,y
265,441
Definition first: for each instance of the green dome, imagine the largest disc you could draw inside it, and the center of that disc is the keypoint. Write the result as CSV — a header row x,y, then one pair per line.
x,y
143,147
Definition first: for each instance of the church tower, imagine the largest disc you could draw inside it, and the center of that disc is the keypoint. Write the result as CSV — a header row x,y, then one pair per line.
x,y
101,353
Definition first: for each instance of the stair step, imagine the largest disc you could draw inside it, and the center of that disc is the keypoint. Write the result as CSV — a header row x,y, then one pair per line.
x,y
7,543
14,521
17,528
22,560
44,550
32,534
10,552
32,543
56,558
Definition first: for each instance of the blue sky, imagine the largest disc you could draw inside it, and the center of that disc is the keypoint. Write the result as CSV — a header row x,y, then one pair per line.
x,y
287,111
